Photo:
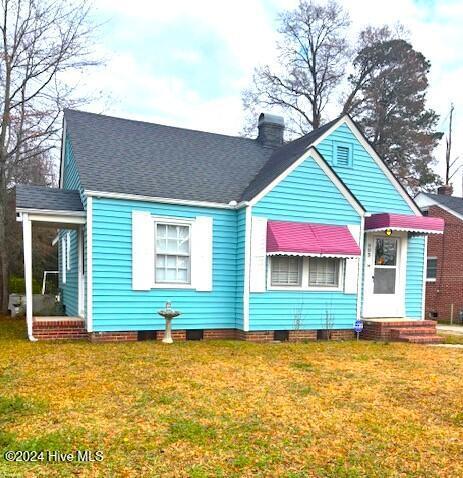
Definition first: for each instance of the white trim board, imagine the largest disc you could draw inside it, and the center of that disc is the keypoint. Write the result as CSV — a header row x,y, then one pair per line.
x,y
355,131
315,155
53,212
63,146
183,202
89,271
247,267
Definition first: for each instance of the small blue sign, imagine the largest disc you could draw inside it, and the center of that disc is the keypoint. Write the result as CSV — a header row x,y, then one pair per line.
x,y
358,327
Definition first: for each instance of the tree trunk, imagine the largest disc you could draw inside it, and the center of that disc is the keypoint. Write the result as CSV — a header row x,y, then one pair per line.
x,y
3,257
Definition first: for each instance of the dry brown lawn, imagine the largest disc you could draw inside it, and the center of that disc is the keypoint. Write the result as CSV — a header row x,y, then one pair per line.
x,y
232,409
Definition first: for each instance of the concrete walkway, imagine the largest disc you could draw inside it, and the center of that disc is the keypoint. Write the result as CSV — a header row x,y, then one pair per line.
x,y
450,329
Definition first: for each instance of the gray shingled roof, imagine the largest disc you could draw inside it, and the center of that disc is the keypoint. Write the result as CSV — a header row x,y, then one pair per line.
x,y
281,159
42,197
134,157
452,202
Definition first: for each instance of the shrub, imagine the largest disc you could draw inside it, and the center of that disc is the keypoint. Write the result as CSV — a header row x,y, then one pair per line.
x,y
18,285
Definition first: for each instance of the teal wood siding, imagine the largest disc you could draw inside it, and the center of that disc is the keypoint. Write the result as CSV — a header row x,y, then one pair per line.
x,y
117,307
365,179
414,285
281,310
71,180
69,291
305,195
240,251
377,194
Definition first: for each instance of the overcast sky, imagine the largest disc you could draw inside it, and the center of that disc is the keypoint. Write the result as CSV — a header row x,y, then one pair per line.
x,y
185,63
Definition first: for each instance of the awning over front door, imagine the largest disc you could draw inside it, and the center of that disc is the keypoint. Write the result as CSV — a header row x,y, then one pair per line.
x,y
404,222
310,239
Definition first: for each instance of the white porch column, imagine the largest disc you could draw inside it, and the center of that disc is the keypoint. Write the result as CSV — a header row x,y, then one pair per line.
x,y
27,246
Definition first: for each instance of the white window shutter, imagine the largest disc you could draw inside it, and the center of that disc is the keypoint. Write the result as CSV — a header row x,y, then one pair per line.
x,y
142,250
351,276
201,253
258,254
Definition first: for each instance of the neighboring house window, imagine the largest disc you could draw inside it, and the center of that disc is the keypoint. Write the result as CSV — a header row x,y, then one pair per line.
x,y
431,271
323,272
286,271
173,253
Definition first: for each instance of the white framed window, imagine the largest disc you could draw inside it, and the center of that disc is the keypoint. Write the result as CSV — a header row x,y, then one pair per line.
x,y
286,271
324,272
431,269
305,273
172,253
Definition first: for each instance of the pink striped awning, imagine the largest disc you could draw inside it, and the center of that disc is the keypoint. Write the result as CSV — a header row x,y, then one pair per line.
x,y
404,222
309,239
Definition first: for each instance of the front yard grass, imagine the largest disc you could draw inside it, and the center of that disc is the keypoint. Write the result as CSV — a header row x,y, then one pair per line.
x,y
232,409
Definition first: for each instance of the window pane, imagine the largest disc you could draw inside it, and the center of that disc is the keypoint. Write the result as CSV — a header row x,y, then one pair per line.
x,y
324,272
161,231
432,268
171,246
171,275
386,252
160,261
172,232
160,274
384,281
182,275
286,270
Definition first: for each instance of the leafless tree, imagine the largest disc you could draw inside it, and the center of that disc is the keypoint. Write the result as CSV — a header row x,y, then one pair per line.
x,y
312,55
42,42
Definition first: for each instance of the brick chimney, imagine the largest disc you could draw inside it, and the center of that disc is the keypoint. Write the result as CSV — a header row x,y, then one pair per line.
x,y
445,190
271,129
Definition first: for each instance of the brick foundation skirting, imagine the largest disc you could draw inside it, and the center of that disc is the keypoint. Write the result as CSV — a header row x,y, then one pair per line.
x,y
113,336
224,334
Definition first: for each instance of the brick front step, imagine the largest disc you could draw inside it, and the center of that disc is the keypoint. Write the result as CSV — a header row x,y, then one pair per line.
x,y
420,339
412,331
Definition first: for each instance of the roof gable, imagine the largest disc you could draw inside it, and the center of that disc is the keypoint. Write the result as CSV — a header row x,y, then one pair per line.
x,y
369,178
307,182
451,204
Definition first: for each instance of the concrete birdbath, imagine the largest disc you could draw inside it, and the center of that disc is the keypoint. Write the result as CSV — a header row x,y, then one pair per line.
x,y
168,313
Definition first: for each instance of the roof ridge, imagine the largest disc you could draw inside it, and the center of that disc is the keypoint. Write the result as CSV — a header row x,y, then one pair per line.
x,y
149,123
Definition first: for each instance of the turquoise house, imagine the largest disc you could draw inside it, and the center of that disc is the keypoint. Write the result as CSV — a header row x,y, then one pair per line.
x,y
249,238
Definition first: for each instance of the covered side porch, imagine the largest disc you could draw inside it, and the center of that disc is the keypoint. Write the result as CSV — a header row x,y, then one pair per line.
x,y
38,206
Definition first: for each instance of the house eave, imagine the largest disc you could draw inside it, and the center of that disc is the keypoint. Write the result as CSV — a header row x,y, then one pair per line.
x,y
183,202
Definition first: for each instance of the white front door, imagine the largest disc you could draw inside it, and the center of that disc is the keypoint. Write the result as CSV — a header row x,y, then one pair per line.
x,y
385,266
